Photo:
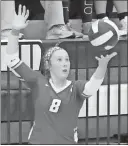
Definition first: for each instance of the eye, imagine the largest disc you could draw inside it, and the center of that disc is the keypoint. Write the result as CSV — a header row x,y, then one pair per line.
x,y
67,59
59,59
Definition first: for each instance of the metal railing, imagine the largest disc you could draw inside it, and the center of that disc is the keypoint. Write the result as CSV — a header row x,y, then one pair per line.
x,y
82,56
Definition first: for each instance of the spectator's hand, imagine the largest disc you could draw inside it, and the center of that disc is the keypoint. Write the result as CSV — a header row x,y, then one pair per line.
x,y
103,60
20,20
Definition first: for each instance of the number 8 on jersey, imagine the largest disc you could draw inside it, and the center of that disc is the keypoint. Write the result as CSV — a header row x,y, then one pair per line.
x,y
55,105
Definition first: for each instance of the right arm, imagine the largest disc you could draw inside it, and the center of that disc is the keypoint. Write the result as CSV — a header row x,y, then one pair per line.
x,y
19,68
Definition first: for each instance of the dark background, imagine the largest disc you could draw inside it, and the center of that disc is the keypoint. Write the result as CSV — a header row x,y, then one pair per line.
x,y
76,8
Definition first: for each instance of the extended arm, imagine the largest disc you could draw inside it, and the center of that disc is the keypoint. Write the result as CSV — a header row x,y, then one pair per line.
x,y
92,86
19,68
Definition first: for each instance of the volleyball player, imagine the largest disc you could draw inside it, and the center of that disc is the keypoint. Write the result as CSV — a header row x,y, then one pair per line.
x,y
57,100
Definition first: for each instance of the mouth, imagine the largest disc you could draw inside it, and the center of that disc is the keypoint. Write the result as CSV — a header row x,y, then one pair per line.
x,y
65,70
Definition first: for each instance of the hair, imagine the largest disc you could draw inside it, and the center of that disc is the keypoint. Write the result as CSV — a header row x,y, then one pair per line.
x,y
46,60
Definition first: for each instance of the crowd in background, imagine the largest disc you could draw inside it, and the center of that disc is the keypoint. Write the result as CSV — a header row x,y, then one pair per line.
x,y
57,14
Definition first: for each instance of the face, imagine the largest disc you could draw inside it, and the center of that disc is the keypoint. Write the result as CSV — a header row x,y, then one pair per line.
x,y
60,64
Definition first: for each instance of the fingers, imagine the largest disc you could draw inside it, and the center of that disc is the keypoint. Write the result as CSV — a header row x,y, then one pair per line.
x,y
19,10
24,11
107,56
97,58
112,55
27,15
101,56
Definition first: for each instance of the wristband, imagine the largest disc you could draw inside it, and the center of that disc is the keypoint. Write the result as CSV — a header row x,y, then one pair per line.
x,y
15,32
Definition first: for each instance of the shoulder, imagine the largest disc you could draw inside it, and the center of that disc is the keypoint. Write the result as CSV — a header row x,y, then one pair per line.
x,y
79,83
41,79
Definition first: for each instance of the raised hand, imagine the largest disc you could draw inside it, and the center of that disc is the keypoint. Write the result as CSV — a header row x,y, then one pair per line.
x,y
20,21
103,60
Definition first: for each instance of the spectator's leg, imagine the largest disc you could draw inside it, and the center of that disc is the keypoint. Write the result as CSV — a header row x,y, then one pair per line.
x,y
86,10
86,14
55,20
110,8
100,8
75,9
66,3
121,7
53,13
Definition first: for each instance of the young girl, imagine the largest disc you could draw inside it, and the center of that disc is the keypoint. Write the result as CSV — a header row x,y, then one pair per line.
x,y
57,101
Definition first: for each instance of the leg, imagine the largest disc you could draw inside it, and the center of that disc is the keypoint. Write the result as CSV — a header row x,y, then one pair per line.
x,y
100,8
121,7
65,4
73,5
86,14
86,10
53,13
54,19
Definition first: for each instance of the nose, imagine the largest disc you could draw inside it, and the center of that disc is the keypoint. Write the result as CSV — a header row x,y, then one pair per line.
x,y
65,63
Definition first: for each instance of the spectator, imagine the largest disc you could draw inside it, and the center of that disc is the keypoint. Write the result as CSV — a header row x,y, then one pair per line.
x,y
86,14
52,13
67,9
84,9
54,17
121,7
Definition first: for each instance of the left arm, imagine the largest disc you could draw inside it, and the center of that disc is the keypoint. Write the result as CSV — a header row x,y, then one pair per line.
x,y
93,85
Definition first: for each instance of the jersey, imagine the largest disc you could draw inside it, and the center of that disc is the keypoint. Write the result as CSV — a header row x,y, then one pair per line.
x,y
56,114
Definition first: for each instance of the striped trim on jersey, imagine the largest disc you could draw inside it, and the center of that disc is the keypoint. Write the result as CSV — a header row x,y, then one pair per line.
x,y
17,75
86,96
13,63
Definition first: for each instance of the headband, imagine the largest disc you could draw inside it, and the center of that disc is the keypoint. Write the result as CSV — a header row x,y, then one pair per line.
x,y
50,51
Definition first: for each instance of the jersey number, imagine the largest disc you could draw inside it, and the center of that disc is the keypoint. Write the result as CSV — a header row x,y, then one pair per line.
x,y
55,105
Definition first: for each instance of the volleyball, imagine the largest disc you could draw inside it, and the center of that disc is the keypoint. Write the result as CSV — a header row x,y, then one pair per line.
x,y
104,33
